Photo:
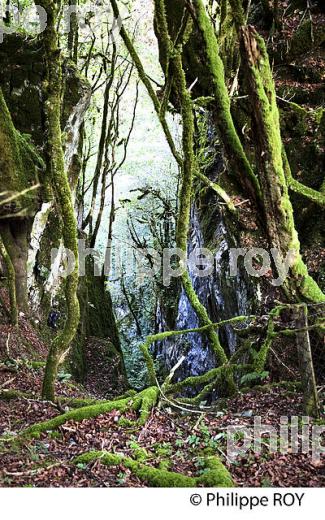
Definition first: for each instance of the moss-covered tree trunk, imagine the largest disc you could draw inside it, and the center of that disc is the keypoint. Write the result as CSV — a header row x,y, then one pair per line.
x,y
175,68
229,137
59,179
279,217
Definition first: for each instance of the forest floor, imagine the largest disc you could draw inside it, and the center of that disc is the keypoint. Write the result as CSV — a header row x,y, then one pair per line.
x,y
171,439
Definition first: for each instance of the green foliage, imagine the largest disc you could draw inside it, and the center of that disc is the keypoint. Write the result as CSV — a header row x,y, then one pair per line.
x,y
164,450
193,440
64,376
254,378
138,453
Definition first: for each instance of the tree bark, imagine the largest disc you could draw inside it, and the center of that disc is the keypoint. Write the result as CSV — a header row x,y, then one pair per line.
x,y
59,178
311,400
278,209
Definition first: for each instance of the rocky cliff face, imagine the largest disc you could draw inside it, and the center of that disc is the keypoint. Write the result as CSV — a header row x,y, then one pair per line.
x,y
224,296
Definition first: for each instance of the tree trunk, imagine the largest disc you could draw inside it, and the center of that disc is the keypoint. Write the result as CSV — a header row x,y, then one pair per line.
x,y
19,202
61,344
311,401
15,235
275,196
10,272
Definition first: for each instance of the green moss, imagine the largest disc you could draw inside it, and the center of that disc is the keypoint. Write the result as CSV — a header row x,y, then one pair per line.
x,y
260,360
149,361
205,320
142,402
78,415
8,395
194,381
277,204
221,374
127,423
61,188
305,157
152,476
36,364
18,164
188,167
165,465
200,397
216,475
218,189
170,333
227,131
138,453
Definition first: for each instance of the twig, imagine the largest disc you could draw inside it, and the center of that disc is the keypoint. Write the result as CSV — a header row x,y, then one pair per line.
x,y
7,382
281,362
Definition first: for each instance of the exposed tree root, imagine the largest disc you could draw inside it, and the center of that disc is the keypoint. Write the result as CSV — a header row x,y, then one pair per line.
x,y
215,474
142,402
11,394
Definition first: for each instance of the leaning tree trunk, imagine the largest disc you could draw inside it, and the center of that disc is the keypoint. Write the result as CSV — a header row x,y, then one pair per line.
x,y
275,195
61,188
